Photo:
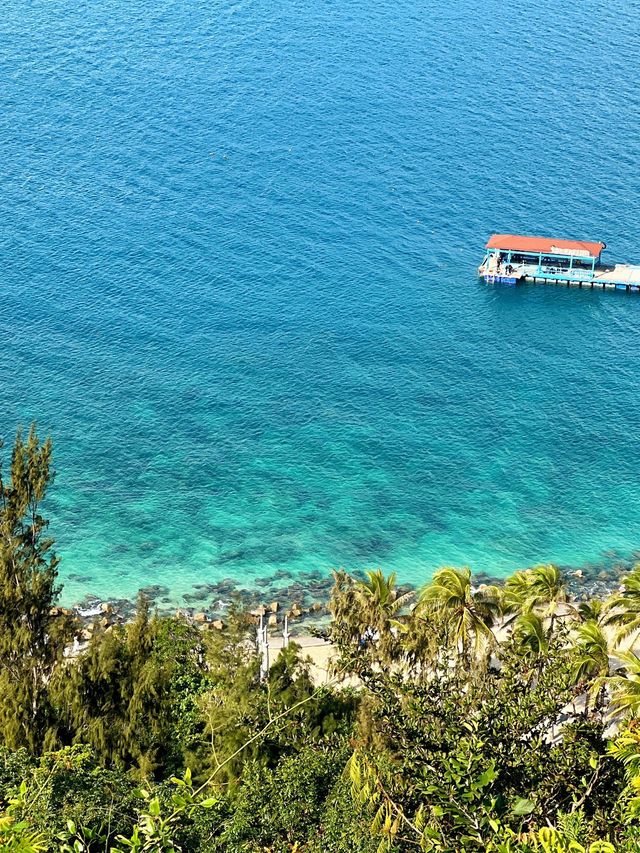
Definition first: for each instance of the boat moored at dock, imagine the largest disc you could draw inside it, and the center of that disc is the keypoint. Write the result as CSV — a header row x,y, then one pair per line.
x,y
511,258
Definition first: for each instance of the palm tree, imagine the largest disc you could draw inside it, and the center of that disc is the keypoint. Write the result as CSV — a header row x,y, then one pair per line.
x,y
366,613
547,590
625,689
592,659
624,607
468,616
516,592
379,596
380,604
530,638
540,590
592,647
592,611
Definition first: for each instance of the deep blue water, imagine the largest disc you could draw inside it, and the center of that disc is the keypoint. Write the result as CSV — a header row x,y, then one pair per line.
x,y
238,248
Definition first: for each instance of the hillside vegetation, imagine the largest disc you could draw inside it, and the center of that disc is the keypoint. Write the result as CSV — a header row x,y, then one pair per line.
x,y
458,718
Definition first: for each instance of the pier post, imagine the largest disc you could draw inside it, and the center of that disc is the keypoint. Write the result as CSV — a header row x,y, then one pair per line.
x,y
264,661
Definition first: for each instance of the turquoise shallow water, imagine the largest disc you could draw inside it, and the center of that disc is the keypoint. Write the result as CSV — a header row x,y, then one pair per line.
x,y
239,244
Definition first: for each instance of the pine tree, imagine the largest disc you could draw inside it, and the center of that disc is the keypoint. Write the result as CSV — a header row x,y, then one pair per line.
x,y
116,695
32,636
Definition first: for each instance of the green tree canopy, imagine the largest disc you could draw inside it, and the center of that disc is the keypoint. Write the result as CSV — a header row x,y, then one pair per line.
x,y
32,636
624,607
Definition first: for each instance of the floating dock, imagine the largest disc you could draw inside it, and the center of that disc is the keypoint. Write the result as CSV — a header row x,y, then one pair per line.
x,y
511,258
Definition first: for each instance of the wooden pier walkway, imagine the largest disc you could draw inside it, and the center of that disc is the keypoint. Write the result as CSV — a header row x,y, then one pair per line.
x,y
618,277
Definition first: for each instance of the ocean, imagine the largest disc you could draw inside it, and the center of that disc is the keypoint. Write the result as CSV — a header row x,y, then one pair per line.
x,y
239,244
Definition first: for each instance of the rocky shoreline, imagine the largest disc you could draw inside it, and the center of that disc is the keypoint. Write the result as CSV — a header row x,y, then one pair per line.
x,y
304,598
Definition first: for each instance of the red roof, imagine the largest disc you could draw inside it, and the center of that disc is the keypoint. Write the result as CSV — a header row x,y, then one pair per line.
x,y
546,245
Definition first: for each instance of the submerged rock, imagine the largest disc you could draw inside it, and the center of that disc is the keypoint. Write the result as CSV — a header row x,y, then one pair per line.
x,y
81,578
281,574
154,591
